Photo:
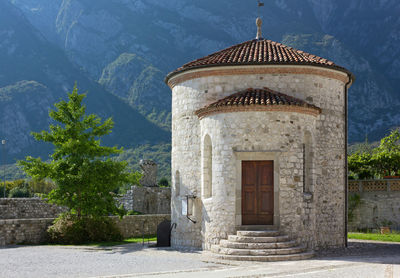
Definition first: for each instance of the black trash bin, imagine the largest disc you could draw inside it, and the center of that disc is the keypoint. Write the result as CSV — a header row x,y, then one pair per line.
x,y
164,234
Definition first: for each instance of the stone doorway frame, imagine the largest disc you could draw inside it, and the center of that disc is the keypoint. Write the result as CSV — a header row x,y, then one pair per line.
x,y
255,156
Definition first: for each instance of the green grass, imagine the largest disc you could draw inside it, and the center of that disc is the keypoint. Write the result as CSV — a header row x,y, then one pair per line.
x,y
125,241
106,243
393,237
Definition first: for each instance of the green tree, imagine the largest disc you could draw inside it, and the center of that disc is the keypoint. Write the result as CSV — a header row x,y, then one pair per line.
x,y
41,186
80,167
386,157
360,165
20,191
363,147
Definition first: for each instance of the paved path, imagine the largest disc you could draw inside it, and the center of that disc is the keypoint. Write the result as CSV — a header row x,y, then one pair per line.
x,y
362,259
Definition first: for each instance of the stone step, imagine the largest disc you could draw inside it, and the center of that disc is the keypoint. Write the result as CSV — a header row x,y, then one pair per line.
x,y
257,228
281,251
243,245
273,258
256,252
258,233
248,239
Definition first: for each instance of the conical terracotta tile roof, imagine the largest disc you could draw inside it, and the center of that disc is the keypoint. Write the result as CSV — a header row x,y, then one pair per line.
x,y
259,100
258,52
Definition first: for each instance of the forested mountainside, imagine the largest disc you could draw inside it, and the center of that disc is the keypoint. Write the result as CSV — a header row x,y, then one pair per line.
x,y
35,73
120,50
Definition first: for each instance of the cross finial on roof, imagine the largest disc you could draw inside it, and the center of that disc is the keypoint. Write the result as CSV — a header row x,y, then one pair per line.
x,y
259,31
259,21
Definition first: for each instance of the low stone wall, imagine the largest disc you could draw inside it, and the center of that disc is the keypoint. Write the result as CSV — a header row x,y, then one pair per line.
x,y
24,208
138,225
379,204
33,231
30,231
148,200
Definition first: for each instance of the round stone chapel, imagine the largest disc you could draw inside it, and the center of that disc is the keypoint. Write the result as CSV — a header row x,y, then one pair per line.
x,y
259,136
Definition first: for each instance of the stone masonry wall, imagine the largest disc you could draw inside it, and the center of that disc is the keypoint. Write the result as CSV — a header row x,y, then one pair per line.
x,y
276,136
149,173
152,200
19,208
147,200
138,225
322,217
27,231
126,200
185,161
379,204
33,231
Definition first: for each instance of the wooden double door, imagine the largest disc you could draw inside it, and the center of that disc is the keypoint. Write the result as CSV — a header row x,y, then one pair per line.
x,y
257,192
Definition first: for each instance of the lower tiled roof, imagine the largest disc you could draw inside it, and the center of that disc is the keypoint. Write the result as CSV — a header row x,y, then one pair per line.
x,y
263,99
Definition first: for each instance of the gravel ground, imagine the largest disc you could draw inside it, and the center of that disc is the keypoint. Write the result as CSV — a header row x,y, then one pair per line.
x,y
65,261
362,259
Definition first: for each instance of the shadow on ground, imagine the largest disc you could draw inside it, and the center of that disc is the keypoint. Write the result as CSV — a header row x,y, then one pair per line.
x,y
357,251
364,251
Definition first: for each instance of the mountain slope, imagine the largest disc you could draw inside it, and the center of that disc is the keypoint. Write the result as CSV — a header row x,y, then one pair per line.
x,y
141,85
362,35
35,74
23,105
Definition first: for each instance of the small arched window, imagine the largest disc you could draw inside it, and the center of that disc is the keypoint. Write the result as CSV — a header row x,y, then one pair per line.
x,y
177,184
308,163
207,167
